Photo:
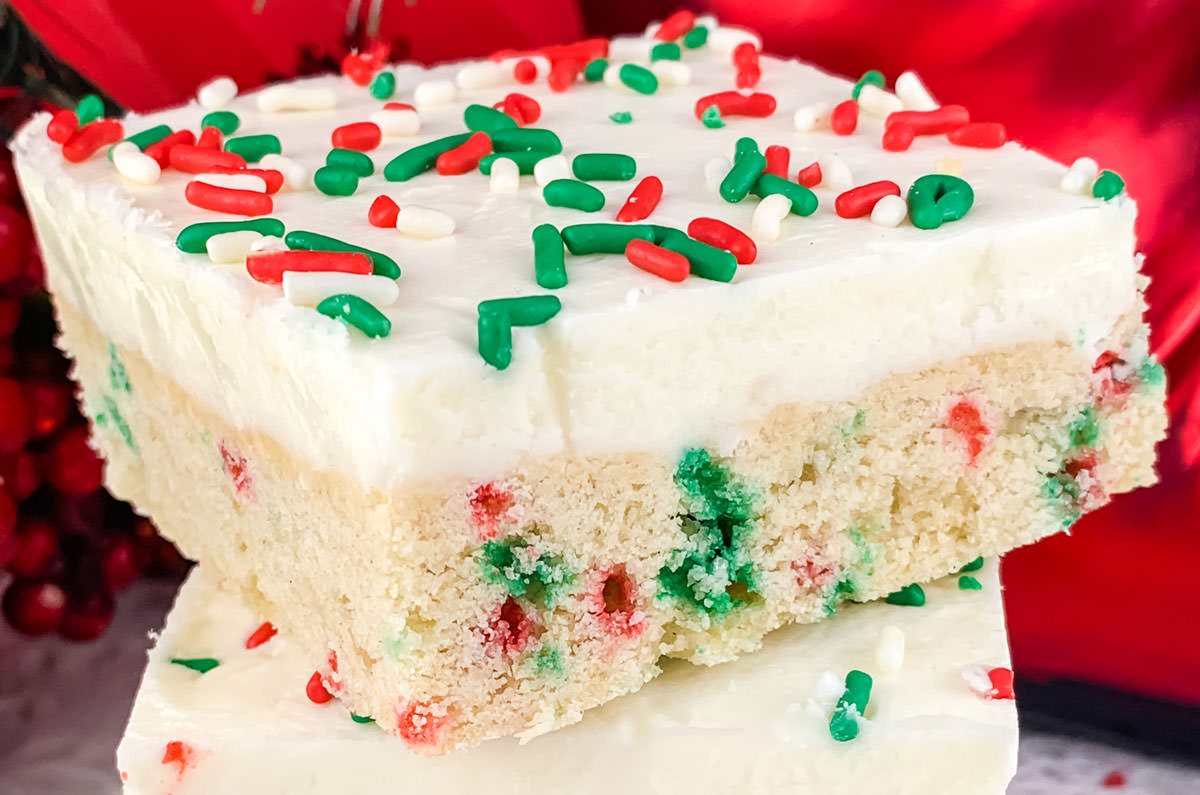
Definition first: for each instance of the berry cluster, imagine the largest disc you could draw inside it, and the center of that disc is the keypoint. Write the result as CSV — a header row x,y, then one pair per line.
x,y
67,546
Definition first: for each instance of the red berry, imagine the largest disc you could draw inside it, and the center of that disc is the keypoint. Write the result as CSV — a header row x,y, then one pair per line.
x,y
6,356
8,520
37,548
14,416
122,563
50,404
71,466
8,180
87,620
34,607
15,236
10,315
19,475
80,515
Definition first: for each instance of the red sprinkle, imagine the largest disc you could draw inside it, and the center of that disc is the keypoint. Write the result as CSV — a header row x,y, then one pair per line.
x,y
675,26
361,136
1002,683
268,266
238,470
419,723
980,134
642,201
228,200
733,103
161,151
210,138
398,106
62,126
580,51
359,68
315,689
930,122
508,629
857,202
383,212
261,635
897,138
669,265
194,160
810,175
491,505
181,754
721,235
377,54
745,58
525,71
612,597
563,74
1114,780
965,419
778,159
88,139
748,77
844,118
525,109
466,156
273,177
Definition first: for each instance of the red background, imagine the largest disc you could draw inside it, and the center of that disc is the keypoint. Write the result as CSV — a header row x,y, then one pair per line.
x,y
1114,602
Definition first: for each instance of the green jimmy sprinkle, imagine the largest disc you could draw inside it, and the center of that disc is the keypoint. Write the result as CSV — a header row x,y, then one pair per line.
x,y
335,181
487,119
711,118
705,261
525,160
199,664
351,160
194,239
584,239
1108,185
526,139
974,565
667,51
357,312
908,596
594,71
420,158
696,37
497,317
746,170
621,117
872,77
549,265
224,120
937,198
253,147
301,240
383,86
145,138
744,146
361,718
603,166
639,78
804,201
90,108
573,194
969,583
843,723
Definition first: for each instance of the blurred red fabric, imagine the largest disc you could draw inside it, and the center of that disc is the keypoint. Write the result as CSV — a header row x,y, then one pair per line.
x,y
1112,602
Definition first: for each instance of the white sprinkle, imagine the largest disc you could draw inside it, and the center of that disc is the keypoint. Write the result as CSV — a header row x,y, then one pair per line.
x,y
424,223
725,38
296,176
626,48
768,216
672,73
828,690
811,117
269,243
549,169
706,21
874,101
398,123
216,93
229,248
652,28
976,677
506,177
913,94
480,75
234,181
434,92
135,166
835,174
715,171
889,211
303,288
1080,176
889,645
282,98
612,75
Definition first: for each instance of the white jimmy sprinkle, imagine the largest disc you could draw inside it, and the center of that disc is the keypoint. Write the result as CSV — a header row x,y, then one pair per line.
x,y
889,211
626,48
767,221
811,117
835,174
268,243
480,75
715,171
549,169
135,166
505,177
234,181
672,73
296,176
1080,176
434,92
216,93
310,288
229,248
876,102
889,645
424,223
913,94
397,123
612,75
282,98
724,39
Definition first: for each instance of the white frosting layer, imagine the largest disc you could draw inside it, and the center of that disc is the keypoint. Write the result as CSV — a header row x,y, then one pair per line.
x,y
632,362
757,726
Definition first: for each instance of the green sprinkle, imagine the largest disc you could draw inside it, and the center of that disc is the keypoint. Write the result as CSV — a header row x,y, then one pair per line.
x,y
356,312
874,77
742,176
529,310
495,340
253,147
696,37
908,596
525,139
362,718
707,262
804,201
113,414
598,166
194,239
487,119
936,198
147,137
974,565
525,160
200,664
843,723
969,583
548,661
224,120
311,241
1108,185
594,71
1084,430
549,266
574,194
621,117
383,86
604,238
639,78
540,577
334,181
90,108
351,160
711,118
667,51
118,379
420,158
744,146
